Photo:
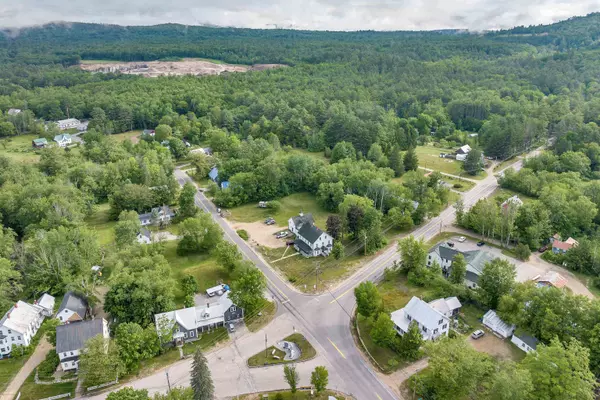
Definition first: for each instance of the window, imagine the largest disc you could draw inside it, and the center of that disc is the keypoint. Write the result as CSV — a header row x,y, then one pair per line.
x,y
12,338
71,353
424,329
60,318
192,334
408,317
440,321
232,308
19,337
185,335
9,331
445,326
64,354
435,331
73,363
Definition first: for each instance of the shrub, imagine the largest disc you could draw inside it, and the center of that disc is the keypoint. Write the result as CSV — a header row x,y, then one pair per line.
x,y
243,234
292,279
457,186
522,252
274,205
47,367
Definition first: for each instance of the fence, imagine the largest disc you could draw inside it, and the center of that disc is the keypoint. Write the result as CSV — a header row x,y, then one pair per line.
x,y
102,385
60,396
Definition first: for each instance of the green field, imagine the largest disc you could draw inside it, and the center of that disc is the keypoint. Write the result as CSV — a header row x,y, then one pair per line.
x,y
19,148
290,206
429,157
32,391
306,349
129,135
100,222
9,367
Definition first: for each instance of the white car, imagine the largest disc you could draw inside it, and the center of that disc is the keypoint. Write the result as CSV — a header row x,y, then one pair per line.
x,y
477,334
462,239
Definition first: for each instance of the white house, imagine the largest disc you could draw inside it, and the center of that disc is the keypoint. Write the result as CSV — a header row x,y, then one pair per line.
x,y
73,308
13,111
71,339
450,306
431,322
20,324
68,123
310,240
144,236
187,324
476,260
499,327
525,342
514,200
63,140
162,216
46,302
461,153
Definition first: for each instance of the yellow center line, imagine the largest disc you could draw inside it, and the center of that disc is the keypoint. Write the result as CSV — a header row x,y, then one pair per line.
x,y
339,351
379,397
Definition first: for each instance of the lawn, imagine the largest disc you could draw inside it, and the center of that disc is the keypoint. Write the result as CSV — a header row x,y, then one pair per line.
x,y
100,221
129,135
202,266
501,193
19,148
260,318
396,293
290,206
32,391
316,155
9,367
429,157
462,185
306,349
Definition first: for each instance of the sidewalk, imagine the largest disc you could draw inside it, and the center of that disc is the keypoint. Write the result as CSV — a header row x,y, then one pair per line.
x,y
39,354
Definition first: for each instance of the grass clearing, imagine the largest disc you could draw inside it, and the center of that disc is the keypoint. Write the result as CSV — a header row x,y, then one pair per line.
x,y
9,367
465,185
290,206
32,391
301,394
306,349
101,222
501,193
319,155
129,135
429,157
203,267
259,319
19,148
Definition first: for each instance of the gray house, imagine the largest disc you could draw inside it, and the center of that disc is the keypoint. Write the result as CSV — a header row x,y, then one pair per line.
x,y
163,215
73,308
310,240
71,338
476,260
186,324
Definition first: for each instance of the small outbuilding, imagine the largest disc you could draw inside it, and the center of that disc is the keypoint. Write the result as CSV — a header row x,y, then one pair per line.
x,y
497,326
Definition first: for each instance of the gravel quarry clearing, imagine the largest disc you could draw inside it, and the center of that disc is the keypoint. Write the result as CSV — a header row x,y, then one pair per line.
x,y
187,66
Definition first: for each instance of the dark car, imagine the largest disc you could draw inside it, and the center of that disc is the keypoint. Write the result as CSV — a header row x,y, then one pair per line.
x,y
451,244
543,249
290,242
480,243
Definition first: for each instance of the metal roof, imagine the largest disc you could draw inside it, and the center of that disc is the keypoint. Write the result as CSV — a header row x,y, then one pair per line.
x,y
73,302
71,337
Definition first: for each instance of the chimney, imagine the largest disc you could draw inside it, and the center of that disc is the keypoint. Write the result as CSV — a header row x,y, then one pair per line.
x,y
8,315
16,305
301,213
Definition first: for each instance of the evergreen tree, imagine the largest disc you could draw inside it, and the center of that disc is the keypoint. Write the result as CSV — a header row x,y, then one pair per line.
x,y
411,342
201,380
395,162
473,163
187,203
411,160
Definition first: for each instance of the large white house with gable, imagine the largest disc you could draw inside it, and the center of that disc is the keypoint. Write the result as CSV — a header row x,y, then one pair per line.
x,y
432,323
20,324
310,240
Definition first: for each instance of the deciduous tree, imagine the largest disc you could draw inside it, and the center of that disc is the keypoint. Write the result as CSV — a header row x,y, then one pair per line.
x,y
320,378
368,299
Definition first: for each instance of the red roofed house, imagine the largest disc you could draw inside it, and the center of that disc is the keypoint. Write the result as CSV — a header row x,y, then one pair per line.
x,y
560,247
552,279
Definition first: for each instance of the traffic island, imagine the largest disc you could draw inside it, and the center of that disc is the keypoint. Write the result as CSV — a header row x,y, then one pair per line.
x,y
292,349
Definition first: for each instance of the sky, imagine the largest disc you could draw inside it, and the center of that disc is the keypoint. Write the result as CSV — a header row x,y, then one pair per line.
x,y
300,14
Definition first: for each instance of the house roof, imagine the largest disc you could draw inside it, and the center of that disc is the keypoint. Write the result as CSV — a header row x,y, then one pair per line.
x,y
527,339
195,317
446,305
303,246
302,219
493,321
74,303
554,278
420,311
70,337
463,149
213,173
47,302
447,253
514,200
557,244
310,232
61,137
13,111
160,210
20,316
224,184
476,260
67,121
145,232
40,141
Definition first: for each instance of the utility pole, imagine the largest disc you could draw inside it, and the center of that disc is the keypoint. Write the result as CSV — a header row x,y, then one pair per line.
x,y
317,277
168,381
365,245
266,346
440,225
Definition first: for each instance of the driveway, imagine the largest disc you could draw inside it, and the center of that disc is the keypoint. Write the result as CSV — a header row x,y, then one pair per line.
x,y
230,373
528,270
39,354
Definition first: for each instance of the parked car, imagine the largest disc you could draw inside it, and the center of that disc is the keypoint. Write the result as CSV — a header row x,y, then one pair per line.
x,y
462,239
281,235
219,210
231,327
477,334
269,221
543,249
290,243
451,244
480,243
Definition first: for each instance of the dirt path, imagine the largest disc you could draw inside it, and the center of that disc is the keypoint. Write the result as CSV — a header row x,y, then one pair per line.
x,y
396,379
260,233
39,354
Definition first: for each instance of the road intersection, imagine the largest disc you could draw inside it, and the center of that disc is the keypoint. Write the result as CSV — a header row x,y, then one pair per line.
x,y
325,319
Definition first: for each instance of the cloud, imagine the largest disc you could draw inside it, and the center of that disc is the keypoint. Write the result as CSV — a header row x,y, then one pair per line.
x,y
300,14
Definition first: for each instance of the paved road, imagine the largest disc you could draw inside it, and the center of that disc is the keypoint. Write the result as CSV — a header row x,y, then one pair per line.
x,y
325,319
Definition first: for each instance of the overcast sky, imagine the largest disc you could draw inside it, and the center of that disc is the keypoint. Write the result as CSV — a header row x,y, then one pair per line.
x,y
300,14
